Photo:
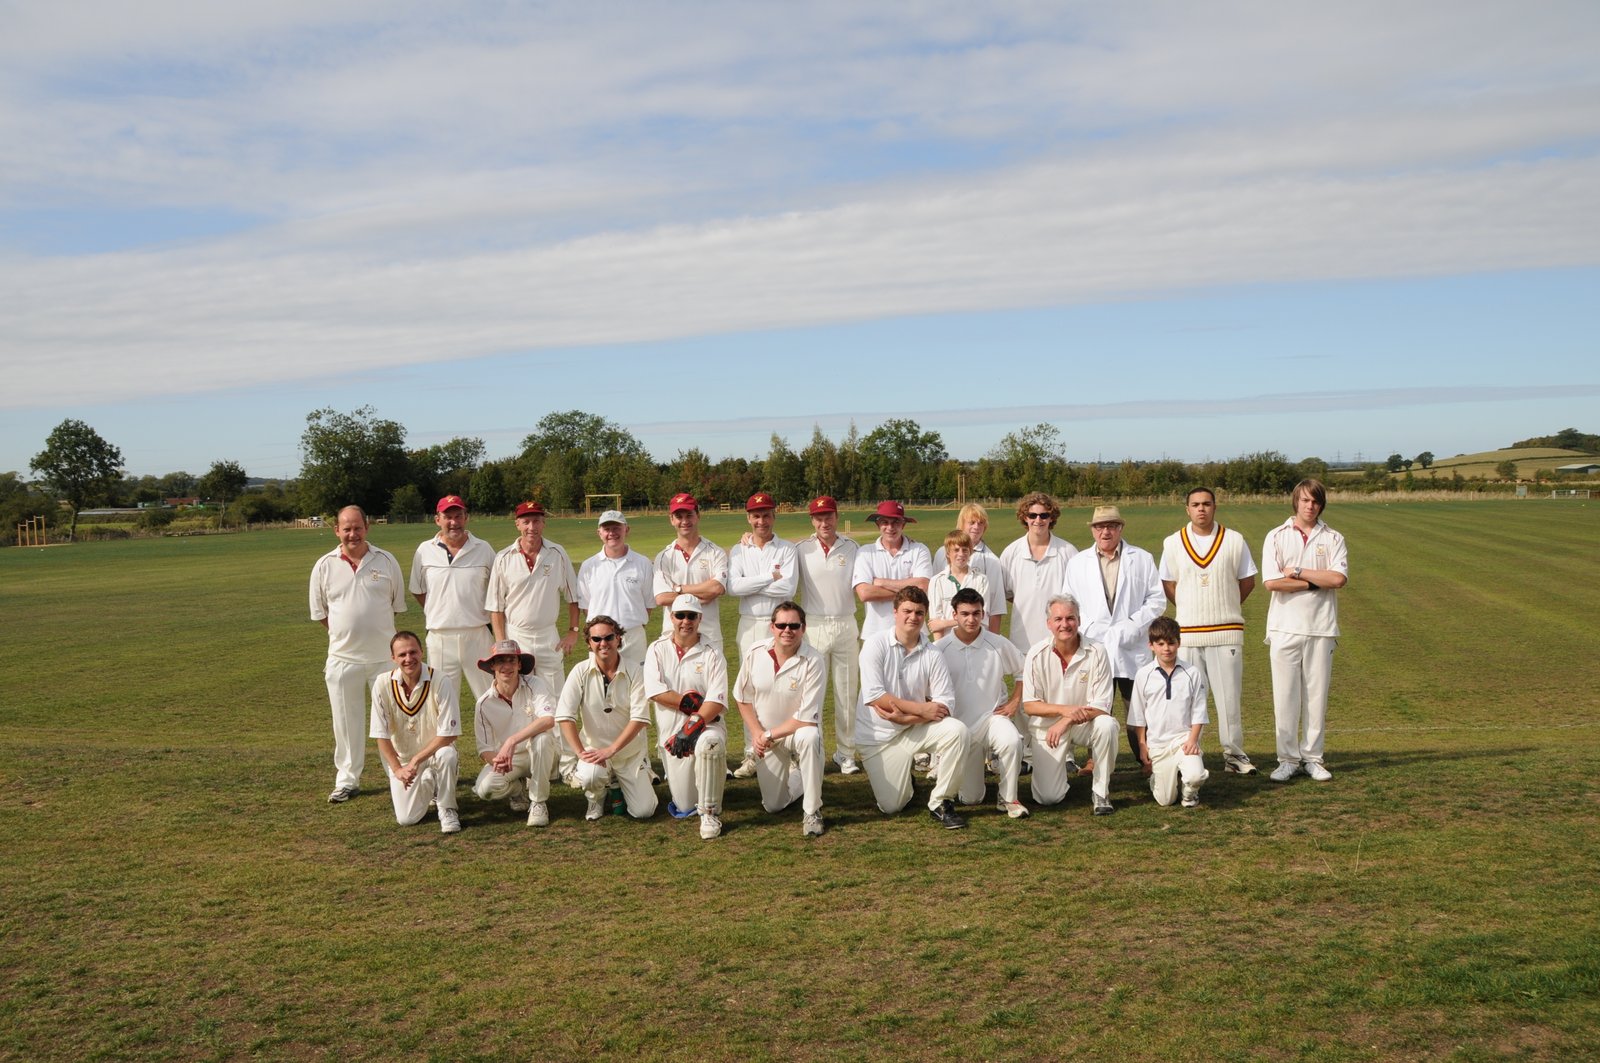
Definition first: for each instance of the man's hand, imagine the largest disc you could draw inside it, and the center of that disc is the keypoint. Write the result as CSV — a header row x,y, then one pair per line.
x,y
1145,765
1057,732
759,743
1192,747
1008,710
569,640
407,774
595,756
502,758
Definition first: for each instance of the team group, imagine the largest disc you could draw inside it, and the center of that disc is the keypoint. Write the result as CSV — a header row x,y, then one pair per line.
x,y
925,674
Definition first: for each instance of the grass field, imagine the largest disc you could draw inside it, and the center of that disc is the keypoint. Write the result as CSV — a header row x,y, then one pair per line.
x,y
177,887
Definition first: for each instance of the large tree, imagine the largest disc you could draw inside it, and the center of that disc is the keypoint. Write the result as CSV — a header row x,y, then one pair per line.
x,y
580,452
900,459
79,465
351,458
225,481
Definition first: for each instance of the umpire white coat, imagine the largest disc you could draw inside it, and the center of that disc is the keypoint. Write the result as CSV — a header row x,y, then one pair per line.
x,y
1123,629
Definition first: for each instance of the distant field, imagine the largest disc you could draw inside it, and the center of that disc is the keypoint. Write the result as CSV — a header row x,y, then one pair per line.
x,y
1483,465
177,887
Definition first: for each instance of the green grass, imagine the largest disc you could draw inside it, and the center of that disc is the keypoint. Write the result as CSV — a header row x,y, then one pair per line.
x,y
176,886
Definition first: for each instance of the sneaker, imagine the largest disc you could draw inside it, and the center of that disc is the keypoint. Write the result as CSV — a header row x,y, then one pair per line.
x,y
1239,765
847,765
745,770
519,800
1283,772
449,821
1013,809
597,807
1318,772
1191,797
1070,766
341,794
678,813
812,827
1103,806
710,826
947,816
538,814
920,763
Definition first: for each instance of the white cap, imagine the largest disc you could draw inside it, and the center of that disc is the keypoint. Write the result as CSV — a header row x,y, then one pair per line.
x,y
613,516
687,603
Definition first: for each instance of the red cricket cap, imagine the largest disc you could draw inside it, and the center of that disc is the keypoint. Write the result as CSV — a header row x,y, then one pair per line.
x,y
823,504
682,501
760,500
891,511
530,509
450,502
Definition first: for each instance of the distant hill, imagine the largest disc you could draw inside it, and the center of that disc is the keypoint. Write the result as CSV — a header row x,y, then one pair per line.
x,y
1483,465
1566,439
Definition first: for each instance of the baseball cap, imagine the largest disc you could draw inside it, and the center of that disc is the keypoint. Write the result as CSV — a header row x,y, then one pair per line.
x,y
613,516
682,501
450,502
760,500
823,504
530,509
687,603
891,511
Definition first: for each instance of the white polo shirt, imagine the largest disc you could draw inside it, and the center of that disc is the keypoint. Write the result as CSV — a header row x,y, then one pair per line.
x,y
888,668
411,721
602,709
826,586
986,561
792,690
618,587
873,561
750,570
706,561
455,584
1031,583
495,719
1083,680
1167,705
359,601
1310,612
529,590
978,674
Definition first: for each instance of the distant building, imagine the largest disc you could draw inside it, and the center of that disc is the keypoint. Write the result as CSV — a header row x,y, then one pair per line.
x,y
1580,470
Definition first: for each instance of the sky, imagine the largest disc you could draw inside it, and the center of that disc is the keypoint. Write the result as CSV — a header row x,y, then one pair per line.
x,y
1170,229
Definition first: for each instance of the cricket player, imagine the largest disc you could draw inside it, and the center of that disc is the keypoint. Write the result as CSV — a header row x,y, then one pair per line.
x,y
779,695
1035,568
1167,713
527,584
691,564
603,713
677,664
974,520
888,565
416,718
616,582
515,721
826,562
979,661
763,570
1066,692
450,580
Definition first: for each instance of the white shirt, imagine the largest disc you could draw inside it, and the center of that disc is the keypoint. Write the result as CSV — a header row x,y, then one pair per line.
x,y
454,585
826,584
1167,706
1083,680
358,603
618,587
778,693
601,709
495,719
412,721
1031,583
706,561
889,668
978,674
701,667
1310,612
530,594
874,561
751,579
987,562
943,587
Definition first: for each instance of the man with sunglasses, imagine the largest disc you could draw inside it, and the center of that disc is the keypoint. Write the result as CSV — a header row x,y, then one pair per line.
x,y
603,713
679,664
779,694
762,571
1035,568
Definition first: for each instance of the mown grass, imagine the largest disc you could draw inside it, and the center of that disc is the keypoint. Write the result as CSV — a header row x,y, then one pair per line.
x,y
176,886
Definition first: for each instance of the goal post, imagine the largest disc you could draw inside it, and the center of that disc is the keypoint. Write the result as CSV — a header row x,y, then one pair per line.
x,y
588,503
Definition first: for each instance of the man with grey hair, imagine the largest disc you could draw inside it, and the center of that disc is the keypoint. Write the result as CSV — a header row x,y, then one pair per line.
x,y
1066,692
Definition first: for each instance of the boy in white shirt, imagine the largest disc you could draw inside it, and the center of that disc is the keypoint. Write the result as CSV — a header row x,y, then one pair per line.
x,y
1166,714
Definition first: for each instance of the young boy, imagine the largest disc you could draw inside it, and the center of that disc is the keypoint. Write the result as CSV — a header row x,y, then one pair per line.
x,y
957,575
1166,715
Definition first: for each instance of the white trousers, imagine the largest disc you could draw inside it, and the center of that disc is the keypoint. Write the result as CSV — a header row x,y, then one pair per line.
x,y
530,771
791,770
631,772
349,689
1168,765
838,640
1223,667
696,781
888,766
546,649
456,651
1302,666
997,738
1050,780
751,632
634,644
435,782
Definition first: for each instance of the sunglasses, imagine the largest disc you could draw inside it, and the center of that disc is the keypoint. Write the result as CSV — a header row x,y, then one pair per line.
x,y
602,638
686,616
1038,516
786,626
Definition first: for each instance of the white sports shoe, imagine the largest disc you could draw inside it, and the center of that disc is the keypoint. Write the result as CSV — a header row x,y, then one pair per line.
x,y
847,765
538,814
812,827
745,770
1191,796
1318,772
449,821
1283,772
519,800
597,807
710,826
921,763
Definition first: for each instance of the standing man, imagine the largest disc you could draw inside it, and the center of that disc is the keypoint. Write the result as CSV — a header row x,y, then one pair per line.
x,y
691,565
762,571
515,726
450,580
604,696
974,520
1066,692
978,661
616,583
906,694
1208,571
1305,564
686,676
416,718
887,566
526,585
1035,568
356,590
780,697
826,563
1119,592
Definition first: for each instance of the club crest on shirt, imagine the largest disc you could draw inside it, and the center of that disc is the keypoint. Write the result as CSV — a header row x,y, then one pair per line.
x,y
1205,579
794,684
1322,556
699,668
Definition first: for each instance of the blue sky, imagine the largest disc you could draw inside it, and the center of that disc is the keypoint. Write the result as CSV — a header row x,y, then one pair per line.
x,y
1169,229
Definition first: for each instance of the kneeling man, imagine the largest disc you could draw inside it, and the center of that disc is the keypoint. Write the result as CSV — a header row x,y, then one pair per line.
x,y
515,723
686,676
904,710
1066,692
604,695
416,720
979,661
779,694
